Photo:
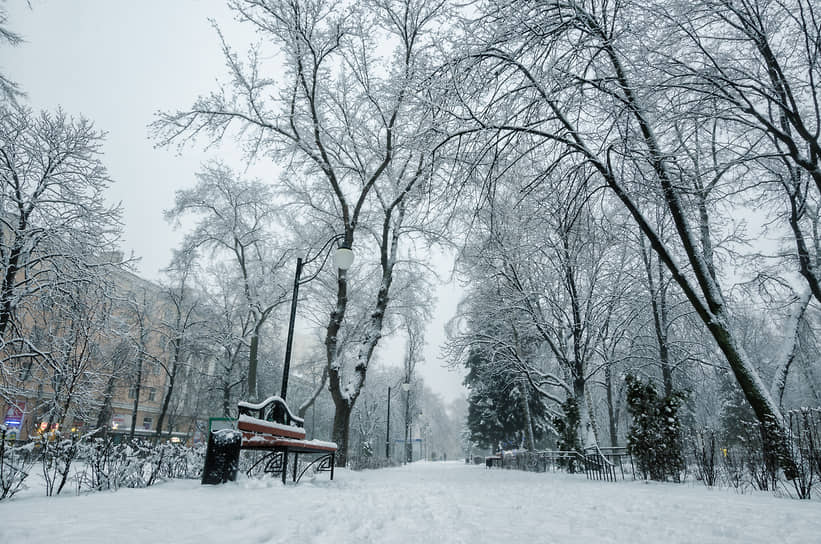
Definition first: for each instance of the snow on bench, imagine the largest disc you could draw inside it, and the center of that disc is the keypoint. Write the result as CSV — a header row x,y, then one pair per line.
x,y
270,425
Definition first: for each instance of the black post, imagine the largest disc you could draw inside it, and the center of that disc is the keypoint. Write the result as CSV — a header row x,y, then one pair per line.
x,y
388,431
286,368
408,443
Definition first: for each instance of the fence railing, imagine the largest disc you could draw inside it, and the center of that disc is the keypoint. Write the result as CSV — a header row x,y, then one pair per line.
x,y
597,463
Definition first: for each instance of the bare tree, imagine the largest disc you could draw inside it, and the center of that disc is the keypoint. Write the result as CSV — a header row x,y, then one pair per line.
x,y
236,218
141,311
56,235
179,330
350,127
757,60
547,63
70,327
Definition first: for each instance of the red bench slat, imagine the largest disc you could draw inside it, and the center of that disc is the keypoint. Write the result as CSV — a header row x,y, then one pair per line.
x,y
251,441
274,429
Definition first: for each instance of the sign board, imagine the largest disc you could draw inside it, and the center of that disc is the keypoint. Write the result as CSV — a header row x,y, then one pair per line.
x,y
217,423
14,415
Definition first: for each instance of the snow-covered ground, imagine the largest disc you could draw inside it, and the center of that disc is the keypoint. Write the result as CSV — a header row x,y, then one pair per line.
x,y
438,503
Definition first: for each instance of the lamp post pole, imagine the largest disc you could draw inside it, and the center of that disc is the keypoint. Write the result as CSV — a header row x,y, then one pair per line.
x,y
286,367
344,259
388,431
408,443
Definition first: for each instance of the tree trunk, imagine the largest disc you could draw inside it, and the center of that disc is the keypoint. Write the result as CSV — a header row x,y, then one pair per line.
x,y
581,403
252,364
167,400
611,412
342,422
787,353
407,443
226,398
594,424
137,387
9,280
303,408
531,441
106,410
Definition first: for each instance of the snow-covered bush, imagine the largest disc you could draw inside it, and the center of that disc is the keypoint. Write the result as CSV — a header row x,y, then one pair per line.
x,y
704,449
56,456
108,466
15,465
183,462
805,431
135,463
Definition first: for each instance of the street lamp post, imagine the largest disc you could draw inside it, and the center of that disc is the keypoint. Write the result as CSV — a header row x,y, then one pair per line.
x,y
388,429
405,387
408,444
344,259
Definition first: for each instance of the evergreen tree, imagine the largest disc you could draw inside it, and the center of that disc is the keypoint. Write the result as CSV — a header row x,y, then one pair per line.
x,y
568,429
655,437
738,423
495,414
742,433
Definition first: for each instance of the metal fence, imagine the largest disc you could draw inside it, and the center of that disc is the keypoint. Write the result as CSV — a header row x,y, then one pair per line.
x,y
609,464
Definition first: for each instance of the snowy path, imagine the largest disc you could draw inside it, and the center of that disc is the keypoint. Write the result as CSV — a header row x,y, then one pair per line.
x,y
447,502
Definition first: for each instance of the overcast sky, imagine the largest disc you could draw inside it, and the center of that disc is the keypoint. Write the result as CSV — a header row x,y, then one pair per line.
x,y
118,62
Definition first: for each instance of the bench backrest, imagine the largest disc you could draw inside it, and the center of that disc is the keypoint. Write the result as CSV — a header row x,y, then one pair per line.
x,y
271,416
271,409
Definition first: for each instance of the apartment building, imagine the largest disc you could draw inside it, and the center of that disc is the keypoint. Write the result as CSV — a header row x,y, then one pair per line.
x,y
107,368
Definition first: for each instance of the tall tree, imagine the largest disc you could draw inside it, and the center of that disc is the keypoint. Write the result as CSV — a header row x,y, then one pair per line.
x,y
71,328
564,72
236,218
178,329
55,230
351,128
142,315
757,61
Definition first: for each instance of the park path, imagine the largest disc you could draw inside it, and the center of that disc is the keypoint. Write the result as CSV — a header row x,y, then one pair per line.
x,y
436,503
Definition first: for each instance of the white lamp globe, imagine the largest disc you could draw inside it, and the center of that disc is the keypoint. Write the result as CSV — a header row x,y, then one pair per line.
x,y
344,258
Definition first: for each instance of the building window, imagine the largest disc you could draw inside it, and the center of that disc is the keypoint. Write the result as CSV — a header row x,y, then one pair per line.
x,y
147,423
132,393
152,393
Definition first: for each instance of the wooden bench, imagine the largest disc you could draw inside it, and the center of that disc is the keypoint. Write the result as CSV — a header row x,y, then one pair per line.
x,y
270,426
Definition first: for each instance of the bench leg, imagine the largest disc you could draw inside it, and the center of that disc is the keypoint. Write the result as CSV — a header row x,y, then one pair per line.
x,y
333,462
296,464
284,465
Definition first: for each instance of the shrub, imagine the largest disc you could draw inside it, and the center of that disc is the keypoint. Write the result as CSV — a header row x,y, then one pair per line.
x,y
654,439
568,429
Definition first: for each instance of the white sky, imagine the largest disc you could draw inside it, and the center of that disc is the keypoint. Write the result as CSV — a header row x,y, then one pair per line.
x,y
118,62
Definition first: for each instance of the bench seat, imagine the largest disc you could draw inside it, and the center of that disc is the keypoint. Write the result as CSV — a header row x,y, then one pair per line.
x,y
261,442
